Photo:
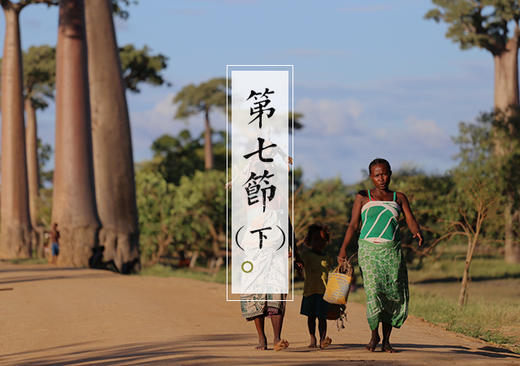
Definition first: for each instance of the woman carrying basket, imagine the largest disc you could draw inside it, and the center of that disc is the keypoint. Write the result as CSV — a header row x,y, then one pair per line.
x,y
380,257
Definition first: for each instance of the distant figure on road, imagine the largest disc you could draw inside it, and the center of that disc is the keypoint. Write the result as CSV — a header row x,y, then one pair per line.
x,y
55,240
380,256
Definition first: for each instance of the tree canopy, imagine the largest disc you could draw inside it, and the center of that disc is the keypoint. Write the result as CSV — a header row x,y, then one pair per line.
x,y
194,99
139,65
182,155
481,23
39,74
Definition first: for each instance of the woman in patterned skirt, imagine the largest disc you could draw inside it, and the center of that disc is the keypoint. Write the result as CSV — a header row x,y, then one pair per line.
x,y
381,260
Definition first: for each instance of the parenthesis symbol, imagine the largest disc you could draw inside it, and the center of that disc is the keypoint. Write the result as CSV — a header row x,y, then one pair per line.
x,y
283,240
236,237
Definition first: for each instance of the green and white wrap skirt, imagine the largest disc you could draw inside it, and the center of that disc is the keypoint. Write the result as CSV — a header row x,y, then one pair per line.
x,y
385,280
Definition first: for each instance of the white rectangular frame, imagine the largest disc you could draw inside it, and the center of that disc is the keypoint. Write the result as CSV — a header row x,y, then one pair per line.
x,y
289,68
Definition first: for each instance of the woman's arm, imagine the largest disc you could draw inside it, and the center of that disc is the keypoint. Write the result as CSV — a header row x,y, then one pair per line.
x,y
410,218
352,227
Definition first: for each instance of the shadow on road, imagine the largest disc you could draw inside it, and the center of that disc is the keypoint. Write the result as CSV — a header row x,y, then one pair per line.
x,y
226,349
20,279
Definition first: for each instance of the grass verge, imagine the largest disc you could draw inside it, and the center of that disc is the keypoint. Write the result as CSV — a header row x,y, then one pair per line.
x,y
497,323
160,270
29,261
452,268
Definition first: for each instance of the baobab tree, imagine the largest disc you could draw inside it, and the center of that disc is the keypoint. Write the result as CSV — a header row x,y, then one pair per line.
x,y
39,69
492,25
202,98
112,143
15,241
74,206
111,135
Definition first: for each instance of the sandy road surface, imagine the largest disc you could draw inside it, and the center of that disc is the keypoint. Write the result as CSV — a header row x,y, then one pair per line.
x,y
56,316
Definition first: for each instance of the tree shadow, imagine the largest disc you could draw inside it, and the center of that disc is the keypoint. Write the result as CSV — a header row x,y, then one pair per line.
x,y
35,269
488,351
187,349
490,354
21,279
202,349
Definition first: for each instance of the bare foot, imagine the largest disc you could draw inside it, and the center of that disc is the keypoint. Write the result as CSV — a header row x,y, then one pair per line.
x,y
313,342
283,344
371,346
324,343
386,347
262,344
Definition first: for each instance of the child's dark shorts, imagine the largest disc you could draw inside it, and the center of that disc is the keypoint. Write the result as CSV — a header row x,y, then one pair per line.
x,y
55,249
314,306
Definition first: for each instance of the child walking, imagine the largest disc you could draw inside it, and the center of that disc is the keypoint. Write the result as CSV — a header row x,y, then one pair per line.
x,y
316,271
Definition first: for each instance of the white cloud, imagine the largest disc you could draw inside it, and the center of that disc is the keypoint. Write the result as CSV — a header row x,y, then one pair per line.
x,y
426,132
149,124
158,119
329,117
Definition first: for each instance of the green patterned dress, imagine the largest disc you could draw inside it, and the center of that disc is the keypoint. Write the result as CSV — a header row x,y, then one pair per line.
x,y
382,263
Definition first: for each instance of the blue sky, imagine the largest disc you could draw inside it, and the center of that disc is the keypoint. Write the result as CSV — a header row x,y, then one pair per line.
x,y
372,78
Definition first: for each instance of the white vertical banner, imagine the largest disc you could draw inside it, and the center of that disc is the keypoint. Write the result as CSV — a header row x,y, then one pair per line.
x,y
261,103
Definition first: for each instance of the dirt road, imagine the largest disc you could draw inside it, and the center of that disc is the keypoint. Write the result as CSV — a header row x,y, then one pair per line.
x,y
56,316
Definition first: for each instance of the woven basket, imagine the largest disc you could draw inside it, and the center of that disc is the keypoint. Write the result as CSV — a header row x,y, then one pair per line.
x,y
338,284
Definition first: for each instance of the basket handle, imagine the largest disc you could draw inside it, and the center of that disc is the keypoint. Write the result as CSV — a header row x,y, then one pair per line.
x,y
346,266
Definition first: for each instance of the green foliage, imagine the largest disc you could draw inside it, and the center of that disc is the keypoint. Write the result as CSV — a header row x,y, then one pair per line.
x,y
201,203
157,216
183,155
481,23
138,66
28,261
45,207
44,155
297,121
39,69
328,202
428,197
118,7
189,216
493,175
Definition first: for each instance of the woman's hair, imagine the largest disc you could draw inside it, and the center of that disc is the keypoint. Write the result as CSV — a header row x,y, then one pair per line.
x,y
316,230
379,161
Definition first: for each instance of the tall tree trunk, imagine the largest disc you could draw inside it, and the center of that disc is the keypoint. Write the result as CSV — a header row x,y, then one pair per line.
x,y
73,198
506,96
463,293
33,174
208,148
506,76
15,224
111,141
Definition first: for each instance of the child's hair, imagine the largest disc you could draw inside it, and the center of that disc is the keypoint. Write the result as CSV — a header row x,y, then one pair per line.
x,y
316,229
379,161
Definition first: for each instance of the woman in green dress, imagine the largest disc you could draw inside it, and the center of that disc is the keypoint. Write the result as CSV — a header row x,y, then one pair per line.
x,y
376,213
